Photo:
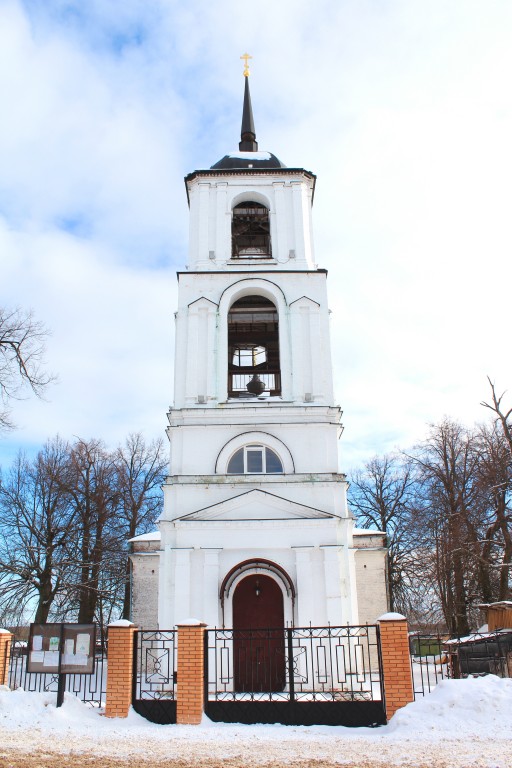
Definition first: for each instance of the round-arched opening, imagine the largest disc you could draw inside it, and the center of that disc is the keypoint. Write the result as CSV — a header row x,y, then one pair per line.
x,y
250,231
257,566
253,348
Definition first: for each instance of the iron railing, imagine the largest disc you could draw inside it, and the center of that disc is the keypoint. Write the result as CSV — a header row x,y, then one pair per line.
x,y
237,382
438,656
155,665
91,689
295,664
154,675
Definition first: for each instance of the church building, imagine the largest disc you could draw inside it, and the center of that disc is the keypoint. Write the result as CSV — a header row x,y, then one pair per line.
x,y
255,531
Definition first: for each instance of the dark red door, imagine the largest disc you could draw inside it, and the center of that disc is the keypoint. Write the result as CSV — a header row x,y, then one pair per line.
x,y
258,638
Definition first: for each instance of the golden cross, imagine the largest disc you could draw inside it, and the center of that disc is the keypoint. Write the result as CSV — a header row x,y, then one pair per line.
x,y
246,58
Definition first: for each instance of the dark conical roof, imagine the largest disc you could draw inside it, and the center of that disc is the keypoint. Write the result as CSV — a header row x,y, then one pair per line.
x,y
248,155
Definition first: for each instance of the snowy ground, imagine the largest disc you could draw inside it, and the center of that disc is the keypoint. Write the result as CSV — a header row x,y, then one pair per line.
x,y
462,723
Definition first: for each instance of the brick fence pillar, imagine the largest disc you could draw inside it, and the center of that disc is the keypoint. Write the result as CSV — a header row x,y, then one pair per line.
x,y
5,653
190,688
121,636
396,662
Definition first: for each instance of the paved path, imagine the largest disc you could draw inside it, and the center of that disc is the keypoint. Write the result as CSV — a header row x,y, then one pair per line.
x,y
26,750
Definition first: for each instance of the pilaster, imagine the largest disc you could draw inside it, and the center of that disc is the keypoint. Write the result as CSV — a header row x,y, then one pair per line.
x,y
182,579
305,588
333,584
211,586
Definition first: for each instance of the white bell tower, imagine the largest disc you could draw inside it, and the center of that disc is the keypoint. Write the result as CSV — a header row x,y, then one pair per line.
x,y
255,504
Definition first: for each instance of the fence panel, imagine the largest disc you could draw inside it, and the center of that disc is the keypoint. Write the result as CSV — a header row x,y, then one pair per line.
x,y
91,689
305,675
154,675
439,656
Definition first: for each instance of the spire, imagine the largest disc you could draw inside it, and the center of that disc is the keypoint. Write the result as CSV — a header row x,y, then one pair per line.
x,y
248,141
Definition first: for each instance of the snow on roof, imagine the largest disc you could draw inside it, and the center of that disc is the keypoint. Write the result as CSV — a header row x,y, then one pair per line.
x,y
250,155
152,536
478,636
505,603
366,532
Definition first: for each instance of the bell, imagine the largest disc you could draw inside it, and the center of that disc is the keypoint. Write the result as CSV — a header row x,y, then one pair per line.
x,y
256,386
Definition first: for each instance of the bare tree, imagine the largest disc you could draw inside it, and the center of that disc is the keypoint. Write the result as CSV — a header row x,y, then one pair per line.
x,y
380,495
140,474
89,483
446,465
491,525
65,521
36,525
502,486
22,348
502,415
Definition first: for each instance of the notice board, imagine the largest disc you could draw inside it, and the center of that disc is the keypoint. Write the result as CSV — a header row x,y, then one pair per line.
x,y
66,649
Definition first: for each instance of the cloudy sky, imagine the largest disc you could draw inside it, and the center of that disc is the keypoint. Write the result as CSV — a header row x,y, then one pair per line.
x,y
403,109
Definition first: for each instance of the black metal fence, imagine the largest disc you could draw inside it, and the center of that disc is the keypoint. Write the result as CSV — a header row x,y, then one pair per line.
x,y
91,689
438,656
303,676
154,675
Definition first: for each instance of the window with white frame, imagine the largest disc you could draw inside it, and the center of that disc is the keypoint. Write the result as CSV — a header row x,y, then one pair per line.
x,y
255,460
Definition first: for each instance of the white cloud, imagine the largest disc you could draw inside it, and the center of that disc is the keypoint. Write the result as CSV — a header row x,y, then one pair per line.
x,y
404,111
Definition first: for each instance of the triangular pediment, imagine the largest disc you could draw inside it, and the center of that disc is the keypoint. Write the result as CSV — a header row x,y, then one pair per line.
x,y
202,303
304,301
257,505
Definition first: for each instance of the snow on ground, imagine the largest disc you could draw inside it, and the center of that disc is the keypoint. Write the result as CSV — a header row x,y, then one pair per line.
x,y
461,723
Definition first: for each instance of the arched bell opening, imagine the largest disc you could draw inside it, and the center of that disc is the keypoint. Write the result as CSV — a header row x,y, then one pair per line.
x,y
253,348
250,231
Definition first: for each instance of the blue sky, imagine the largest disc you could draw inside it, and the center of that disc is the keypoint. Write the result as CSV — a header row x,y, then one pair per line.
x,y
402,108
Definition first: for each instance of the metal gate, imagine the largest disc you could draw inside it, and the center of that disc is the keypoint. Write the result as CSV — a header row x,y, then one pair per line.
x,y
333,676
154,675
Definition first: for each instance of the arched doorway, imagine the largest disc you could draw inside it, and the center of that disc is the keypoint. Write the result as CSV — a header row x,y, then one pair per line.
x,y
258,637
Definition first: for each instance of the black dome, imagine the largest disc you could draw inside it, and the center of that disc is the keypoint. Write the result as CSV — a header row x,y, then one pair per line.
x,y
248,160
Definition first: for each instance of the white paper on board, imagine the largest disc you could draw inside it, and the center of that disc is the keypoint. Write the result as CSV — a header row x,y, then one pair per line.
x,y
82,643
69,646
37,657
81,660
37,643
51,658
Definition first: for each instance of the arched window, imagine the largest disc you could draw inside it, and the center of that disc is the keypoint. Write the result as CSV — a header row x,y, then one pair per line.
x,y
255,460
250,231
253,342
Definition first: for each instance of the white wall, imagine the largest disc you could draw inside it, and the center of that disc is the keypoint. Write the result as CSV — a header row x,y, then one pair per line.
x,y
288,196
